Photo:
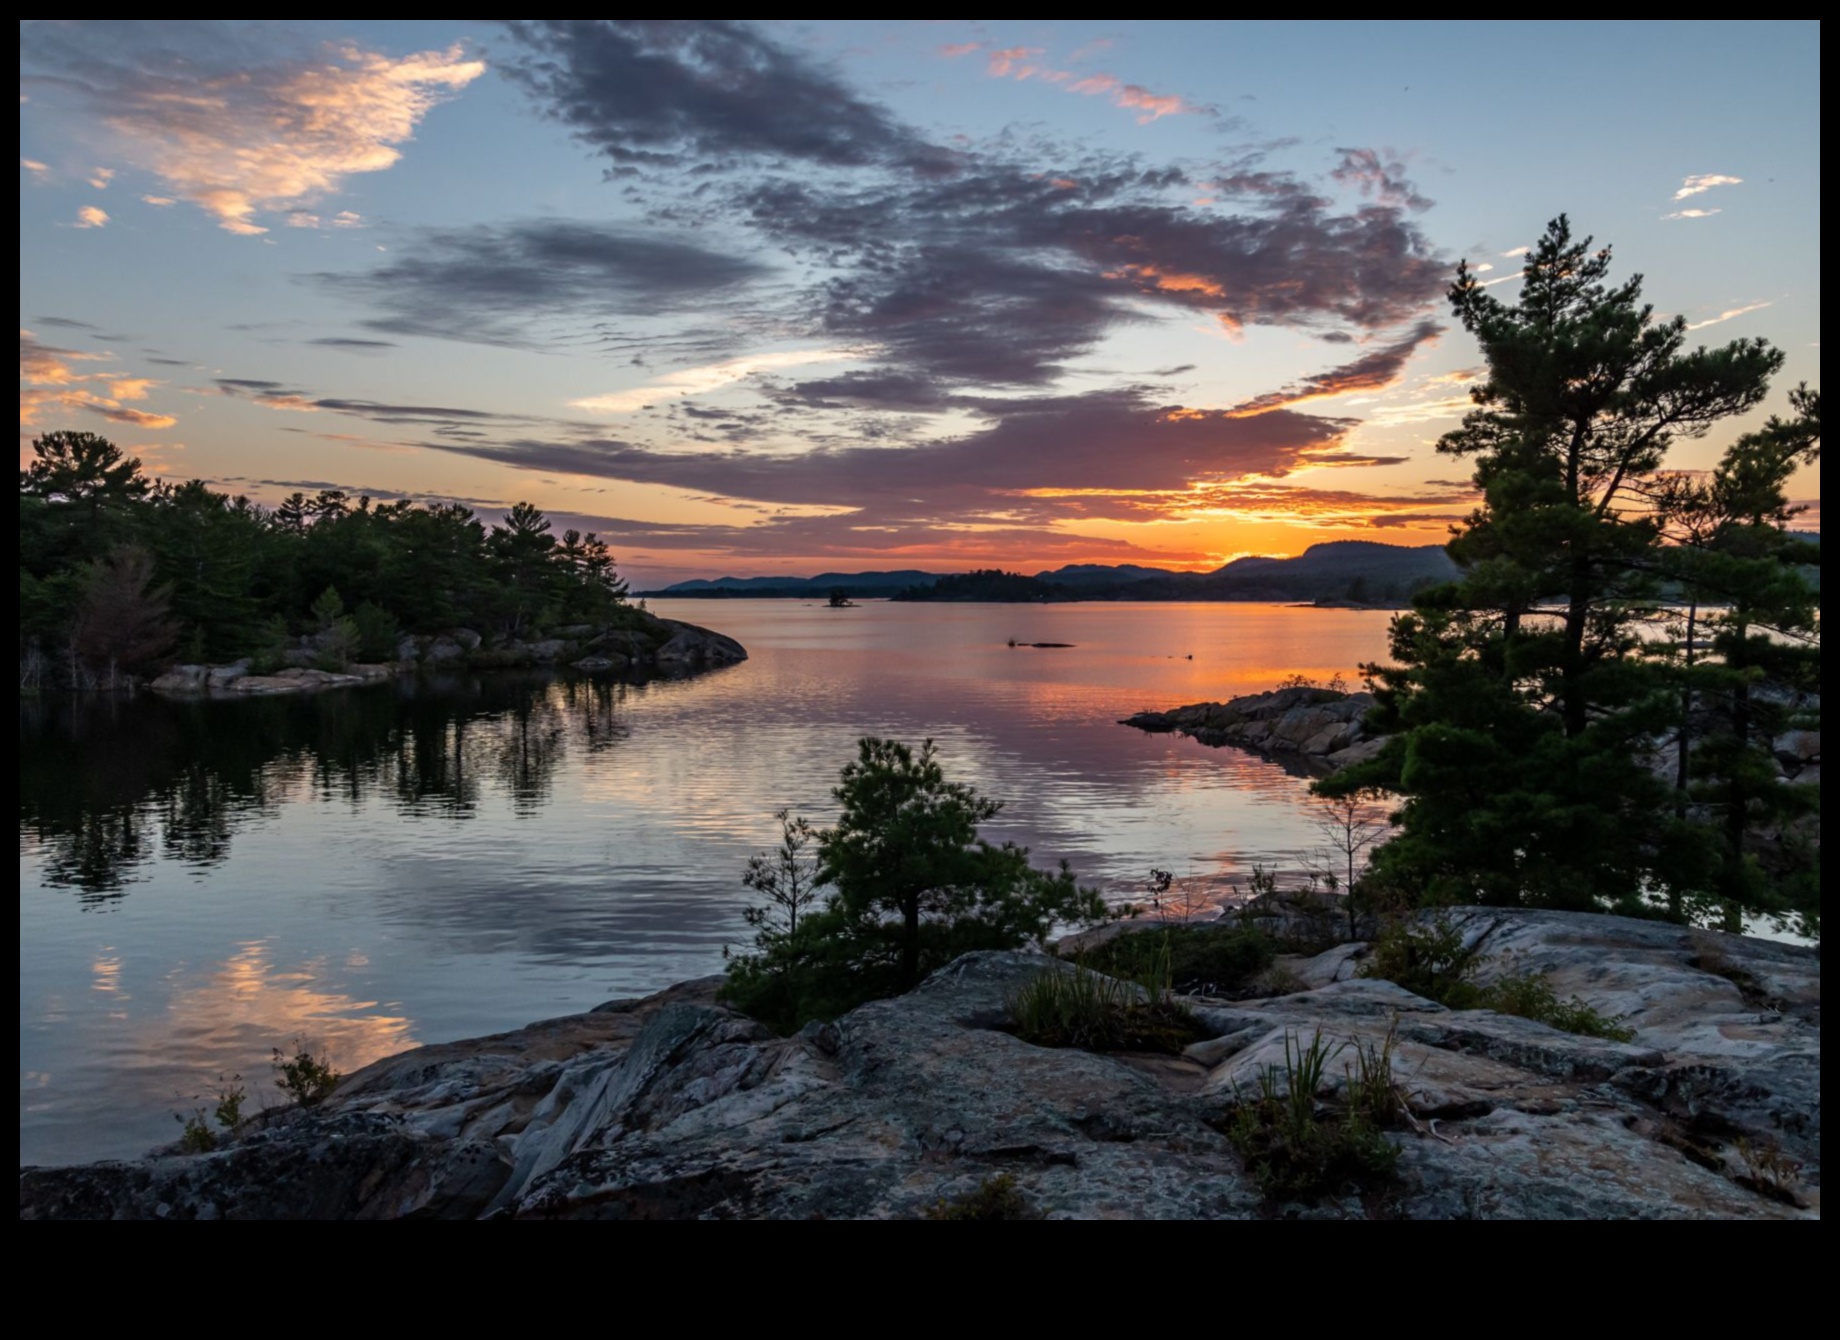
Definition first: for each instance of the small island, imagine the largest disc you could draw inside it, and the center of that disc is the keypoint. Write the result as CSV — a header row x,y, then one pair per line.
x,y
127,581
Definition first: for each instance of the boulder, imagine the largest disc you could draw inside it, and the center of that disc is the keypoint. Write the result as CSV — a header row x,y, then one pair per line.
x,y
443,651
1798,747
1314,722
222,676
689,644
181,679
466,638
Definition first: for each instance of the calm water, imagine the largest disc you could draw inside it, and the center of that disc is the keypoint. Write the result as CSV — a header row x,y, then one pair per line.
x,y
372,869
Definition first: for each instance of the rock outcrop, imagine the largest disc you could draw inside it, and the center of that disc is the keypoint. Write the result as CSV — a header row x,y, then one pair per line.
x,y
1324,724
674,1107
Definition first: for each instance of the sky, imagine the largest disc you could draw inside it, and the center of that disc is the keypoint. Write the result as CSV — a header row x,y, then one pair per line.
x,y
790,298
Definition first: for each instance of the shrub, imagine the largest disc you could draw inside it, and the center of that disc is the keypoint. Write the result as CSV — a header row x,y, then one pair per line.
x,y
912,886
1531,996
197,1136
1215,960
305,1078
1429,960
1086,1009
995,1198
1296,1146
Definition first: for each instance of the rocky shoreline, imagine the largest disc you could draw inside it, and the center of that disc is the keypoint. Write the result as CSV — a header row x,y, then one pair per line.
x,y
644,643
675,1107
1318,723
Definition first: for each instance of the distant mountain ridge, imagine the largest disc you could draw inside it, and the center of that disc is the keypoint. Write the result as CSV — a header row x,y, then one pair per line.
x,y
1357,570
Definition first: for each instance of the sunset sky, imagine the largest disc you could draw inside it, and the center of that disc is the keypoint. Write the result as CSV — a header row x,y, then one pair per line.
x,y
789,298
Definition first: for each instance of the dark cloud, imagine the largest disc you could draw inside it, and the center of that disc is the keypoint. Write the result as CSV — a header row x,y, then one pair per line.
x,y
1383,178
880,390
1371,372
169,362
495,284
68,323
1000,275
450,420
351,345
991,264
653,92
1035,452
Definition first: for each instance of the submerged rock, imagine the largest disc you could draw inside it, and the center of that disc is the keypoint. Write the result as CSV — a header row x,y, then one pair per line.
x,y
675,1107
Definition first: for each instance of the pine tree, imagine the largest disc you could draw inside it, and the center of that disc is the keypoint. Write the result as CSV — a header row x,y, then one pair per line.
x,y
1524,699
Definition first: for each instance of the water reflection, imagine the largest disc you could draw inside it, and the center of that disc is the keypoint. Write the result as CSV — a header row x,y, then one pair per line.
x,y
450,859
104,783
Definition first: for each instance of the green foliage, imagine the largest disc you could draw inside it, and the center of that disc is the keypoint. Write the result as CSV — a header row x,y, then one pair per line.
x,y
1209,960
1531,996
996,1197
377,632
197,1135
1296,1146
303,1077
227,569
1524,700
1429,959
1085,1009
912,886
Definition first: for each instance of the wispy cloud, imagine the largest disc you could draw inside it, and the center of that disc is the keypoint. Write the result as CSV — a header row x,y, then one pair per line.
x,y
1727,315
494,283
51,379
1703,182
1024,63
101,178
695,381
1371,372
1692,214
241,142
90,217
36,168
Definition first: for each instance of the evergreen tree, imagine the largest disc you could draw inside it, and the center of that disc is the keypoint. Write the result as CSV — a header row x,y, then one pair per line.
x,y
1524,700
1736,555
912,886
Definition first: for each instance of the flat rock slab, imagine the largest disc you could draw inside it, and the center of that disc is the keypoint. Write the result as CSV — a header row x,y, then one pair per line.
x,y
675,1107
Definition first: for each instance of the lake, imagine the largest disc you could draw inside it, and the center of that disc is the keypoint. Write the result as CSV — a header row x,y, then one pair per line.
x,y
376,868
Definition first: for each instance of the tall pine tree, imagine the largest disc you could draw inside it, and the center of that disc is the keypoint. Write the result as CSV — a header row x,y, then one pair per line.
x,y
1524,700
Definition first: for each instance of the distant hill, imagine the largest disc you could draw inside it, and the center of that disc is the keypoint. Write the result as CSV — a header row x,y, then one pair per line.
x,y
990,586
1359,570
852,584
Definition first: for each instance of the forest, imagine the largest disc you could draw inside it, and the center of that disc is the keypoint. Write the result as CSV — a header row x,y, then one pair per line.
x,y
120,574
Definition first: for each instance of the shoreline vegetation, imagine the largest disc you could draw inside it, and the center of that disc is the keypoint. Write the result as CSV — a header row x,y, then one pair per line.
x,y
124,580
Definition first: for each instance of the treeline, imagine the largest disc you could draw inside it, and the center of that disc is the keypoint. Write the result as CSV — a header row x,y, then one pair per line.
x,y
119,574
987,584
